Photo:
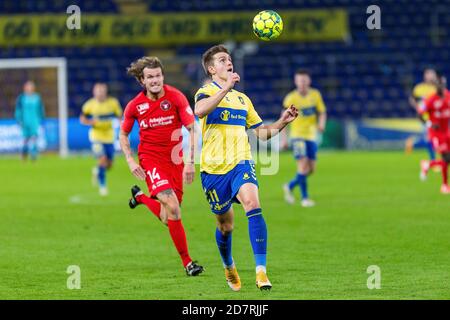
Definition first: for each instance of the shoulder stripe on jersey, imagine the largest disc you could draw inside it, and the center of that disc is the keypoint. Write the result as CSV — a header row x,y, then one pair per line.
x,y
256,125
201,96
217,84
102,116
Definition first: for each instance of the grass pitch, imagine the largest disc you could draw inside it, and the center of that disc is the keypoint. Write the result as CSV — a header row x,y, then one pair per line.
x,y
371,210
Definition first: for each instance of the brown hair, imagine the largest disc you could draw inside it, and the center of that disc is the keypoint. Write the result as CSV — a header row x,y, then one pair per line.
x,y
207,58
302,72
136,68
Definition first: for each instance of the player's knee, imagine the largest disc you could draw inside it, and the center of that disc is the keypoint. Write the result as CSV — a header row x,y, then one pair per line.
x,y
108,164
225,228
173,208
103,162
250,204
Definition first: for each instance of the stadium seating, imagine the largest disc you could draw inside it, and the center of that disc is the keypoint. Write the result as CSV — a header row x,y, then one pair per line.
x,y
370,75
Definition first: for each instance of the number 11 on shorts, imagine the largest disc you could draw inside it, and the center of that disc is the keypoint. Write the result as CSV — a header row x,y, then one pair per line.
x,y
212,196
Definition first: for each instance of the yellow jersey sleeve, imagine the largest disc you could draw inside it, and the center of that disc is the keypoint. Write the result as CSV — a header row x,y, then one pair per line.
x,y
320,104
253,119
287,101
87,108
203,92
116,107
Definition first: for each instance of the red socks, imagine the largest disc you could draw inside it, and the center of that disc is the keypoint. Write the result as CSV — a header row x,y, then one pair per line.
x,y
176,228
444,172
153,205
436,163
444,169
178,235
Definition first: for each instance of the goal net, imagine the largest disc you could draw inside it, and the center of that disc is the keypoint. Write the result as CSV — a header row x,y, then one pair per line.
x,y
50,78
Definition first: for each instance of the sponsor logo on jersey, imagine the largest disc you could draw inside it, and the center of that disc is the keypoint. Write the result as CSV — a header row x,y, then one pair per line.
x,y
225,115
165,105
143,107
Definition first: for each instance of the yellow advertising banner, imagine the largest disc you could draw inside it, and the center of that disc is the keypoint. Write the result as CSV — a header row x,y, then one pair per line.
x,y
166,29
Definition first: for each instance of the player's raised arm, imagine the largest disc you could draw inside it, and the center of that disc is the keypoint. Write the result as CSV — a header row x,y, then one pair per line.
x,y
205,105
265,132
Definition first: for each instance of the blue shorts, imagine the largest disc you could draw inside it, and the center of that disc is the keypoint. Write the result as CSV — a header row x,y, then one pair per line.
x,y
103,149
304,148
221,189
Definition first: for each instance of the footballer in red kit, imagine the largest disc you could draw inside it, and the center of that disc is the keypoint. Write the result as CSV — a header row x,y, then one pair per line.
x,y
437,107
160,111
160,122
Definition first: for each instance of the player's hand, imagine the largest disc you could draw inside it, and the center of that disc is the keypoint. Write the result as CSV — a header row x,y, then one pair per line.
x,y
320,128
233,77
136,170
289,114
188,173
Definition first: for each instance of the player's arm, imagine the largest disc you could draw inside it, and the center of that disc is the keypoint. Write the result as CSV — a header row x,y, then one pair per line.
x,y
41,110
265,132
85,117
422,110
189,168
135,168
284,137
124,141
284,134
413,102
205,106
322,113
18,113
322,122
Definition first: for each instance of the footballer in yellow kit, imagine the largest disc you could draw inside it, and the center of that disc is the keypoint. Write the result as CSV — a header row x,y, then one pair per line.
x,y
99,113
227,171
304,133
420,92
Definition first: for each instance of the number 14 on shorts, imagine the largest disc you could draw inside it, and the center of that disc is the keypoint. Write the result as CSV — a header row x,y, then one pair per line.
x,y
153,175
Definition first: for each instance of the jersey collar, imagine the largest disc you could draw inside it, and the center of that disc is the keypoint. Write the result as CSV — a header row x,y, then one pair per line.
x,y
217,84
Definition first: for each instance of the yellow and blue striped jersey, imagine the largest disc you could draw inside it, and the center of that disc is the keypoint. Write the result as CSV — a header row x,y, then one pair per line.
x,y
104,112
225,140
309,106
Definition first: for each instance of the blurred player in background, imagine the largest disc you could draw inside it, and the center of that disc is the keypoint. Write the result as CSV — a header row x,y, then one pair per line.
x,y
30,114
99,113
161,111
420,92
227,169
304,133
437,109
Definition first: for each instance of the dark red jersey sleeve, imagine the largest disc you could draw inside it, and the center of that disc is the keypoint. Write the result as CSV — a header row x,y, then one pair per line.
x,y
184,110
128,117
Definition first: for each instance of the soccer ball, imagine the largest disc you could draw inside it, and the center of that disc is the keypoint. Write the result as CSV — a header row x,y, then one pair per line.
x,y
267,25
